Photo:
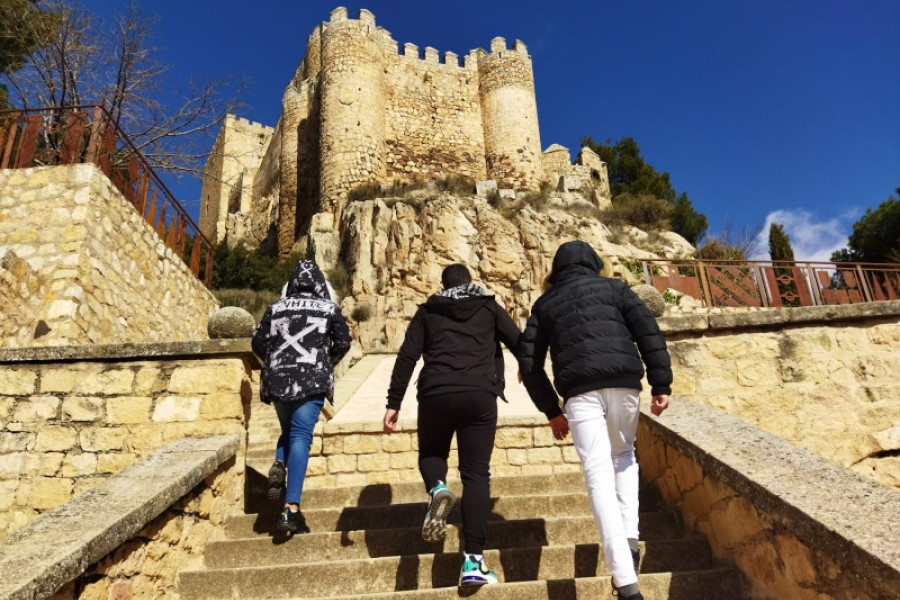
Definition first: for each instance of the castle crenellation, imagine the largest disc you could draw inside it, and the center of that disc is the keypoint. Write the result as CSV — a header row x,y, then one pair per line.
x,y
362,109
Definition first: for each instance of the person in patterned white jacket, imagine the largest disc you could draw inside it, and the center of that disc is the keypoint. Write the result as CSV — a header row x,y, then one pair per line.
x,y
300,339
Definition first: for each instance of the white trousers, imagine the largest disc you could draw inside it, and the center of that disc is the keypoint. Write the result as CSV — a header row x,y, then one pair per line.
x,y
603,424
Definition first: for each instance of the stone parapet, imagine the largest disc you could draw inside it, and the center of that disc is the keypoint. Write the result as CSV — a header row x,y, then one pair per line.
x,y
71,417
78,264
798,526
128,536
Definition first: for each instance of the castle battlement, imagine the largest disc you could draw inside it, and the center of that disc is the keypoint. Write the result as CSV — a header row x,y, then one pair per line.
x,y
363,109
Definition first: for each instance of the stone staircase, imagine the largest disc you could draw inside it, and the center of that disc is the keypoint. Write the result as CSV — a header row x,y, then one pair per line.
x,y
366,543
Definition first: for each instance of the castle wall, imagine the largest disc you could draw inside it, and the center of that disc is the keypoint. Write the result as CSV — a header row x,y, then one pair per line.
x,y
434,121
228,179
352,109
79,265
511,136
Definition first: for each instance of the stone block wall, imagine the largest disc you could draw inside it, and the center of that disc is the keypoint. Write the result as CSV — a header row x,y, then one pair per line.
x,y
68,422
361,454
826,382
79,265
797,526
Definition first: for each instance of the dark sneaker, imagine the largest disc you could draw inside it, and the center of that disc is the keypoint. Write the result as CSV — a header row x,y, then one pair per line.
x,y
442,500
277,477
292,522
634,596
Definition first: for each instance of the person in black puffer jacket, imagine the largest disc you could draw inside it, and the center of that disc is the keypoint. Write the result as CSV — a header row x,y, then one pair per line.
x,y
458,332
300,339
599,335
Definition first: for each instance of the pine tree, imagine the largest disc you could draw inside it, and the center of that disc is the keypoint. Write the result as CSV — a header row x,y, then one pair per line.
x,y
780,244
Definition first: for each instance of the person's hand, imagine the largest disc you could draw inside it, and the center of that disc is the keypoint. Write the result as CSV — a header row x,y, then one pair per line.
x,y
659,404
390,420
560,426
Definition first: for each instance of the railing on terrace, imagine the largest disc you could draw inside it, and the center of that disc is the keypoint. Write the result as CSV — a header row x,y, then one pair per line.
x,y
773,283
87,134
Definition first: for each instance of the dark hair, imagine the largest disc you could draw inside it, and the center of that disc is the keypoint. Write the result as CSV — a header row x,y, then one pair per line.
x,y
455,275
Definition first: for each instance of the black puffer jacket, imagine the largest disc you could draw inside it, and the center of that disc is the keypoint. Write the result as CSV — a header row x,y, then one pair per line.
x,y
460,341
597,331
300,339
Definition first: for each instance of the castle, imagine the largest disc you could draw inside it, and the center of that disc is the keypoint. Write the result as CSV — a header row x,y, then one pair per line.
x,y
358,111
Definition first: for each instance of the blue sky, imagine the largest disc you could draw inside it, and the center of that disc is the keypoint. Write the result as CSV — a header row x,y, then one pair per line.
x,y
767,110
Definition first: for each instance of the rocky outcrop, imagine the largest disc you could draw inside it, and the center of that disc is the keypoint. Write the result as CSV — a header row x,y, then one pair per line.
x,y
395,251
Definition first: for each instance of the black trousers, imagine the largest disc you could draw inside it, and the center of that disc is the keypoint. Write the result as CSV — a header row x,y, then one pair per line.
x,y
472,415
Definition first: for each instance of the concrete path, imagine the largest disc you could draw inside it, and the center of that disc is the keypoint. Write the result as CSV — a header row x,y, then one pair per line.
x,y
361,393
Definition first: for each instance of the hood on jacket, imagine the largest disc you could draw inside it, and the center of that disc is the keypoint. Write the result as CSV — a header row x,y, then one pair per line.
x,y
458,309
574,258
307,278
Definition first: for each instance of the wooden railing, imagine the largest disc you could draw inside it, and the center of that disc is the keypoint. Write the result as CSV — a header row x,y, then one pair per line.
x,y
773,283
88,134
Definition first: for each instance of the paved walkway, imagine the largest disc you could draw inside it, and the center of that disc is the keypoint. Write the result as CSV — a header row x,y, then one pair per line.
x,y
365,389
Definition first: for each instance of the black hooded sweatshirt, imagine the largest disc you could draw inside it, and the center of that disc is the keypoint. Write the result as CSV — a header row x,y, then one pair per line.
x,y
300,339
459,338
597,330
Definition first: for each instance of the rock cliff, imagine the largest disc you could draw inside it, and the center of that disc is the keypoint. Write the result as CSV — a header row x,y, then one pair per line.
x,y
395,249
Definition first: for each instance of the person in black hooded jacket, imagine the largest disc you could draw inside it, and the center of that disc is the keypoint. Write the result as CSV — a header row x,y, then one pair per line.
x,y
300,339
599,335
458,332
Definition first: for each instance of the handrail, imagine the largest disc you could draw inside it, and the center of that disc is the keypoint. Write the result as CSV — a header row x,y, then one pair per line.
x,y
65,135
761,283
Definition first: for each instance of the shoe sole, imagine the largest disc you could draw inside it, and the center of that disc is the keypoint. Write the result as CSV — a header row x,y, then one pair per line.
x,y
275,492
475,580
435,527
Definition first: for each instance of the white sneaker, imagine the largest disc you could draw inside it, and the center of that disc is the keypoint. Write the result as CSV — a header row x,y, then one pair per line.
x,y
475,573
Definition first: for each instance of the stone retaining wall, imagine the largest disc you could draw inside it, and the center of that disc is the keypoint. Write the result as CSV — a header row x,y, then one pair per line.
x,y
798,526
361,454
79,265
71,417
128,537
824,378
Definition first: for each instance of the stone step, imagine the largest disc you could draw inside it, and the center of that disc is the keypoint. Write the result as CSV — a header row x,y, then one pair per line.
x,y
670,554
378,578
653,525
397,493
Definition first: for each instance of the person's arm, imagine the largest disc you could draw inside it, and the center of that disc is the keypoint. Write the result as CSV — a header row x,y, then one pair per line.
x,y
532,353
650,342
341,340
506,329
409,353
260,336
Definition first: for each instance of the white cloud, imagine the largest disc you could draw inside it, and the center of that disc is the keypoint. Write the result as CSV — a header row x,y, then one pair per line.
x,y
811,240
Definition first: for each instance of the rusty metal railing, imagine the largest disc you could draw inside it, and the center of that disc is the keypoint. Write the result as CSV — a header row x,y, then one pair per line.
x,y
757,283
88,134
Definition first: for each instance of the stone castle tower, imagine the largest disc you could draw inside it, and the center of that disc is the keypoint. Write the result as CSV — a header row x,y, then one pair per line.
x,y
360,111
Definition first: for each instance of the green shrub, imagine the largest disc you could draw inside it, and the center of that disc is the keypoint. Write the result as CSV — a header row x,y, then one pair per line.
x,y
642,211
339,277
361,313
365,191
493,198
239,268
457,185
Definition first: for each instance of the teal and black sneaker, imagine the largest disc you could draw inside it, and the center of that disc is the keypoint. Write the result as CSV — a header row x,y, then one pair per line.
x,y
442,500
475,573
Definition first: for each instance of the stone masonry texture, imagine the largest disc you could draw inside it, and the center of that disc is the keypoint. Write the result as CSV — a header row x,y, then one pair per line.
x,y
79,265
65,426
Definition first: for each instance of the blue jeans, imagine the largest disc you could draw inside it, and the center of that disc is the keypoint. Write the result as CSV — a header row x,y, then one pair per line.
x,y
297,419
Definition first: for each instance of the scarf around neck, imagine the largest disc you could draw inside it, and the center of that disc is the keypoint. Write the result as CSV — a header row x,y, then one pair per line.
x,y
466,290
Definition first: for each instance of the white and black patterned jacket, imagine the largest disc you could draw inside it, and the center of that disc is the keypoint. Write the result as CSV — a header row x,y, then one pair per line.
x,y
300,339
